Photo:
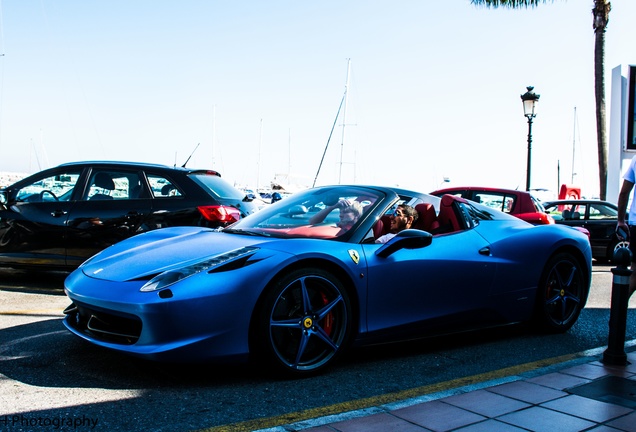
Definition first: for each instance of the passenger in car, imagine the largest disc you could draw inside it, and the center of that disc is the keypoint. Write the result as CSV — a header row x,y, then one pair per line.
x,y
349,215
402,218
350,212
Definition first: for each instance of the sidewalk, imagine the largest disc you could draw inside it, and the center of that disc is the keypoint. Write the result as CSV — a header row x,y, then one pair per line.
x,y
578,395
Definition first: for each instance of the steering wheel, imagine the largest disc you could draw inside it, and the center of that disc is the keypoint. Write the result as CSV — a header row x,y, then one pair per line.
x,y
46,191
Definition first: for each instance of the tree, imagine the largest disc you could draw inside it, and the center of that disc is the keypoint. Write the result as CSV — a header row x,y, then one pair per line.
x,y
600,15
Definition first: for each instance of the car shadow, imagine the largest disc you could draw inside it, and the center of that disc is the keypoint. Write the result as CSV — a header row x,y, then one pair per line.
x,y
48,346
584,335
33,282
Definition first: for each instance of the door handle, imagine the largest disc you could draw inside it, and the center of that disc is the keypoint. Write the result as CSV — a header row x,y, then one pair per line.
x,y
485,251
58,213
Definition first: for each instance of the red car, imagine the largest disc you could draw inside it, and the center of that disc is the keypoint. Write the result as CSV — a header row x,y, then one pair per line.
x,y
518,203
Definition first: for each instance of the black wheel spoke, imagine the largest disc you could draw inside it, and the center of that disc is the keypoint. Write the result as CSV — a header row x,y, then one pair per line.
x,y
308,321
564,293
304,340
305,294
569,278
322,313
290,323
320,333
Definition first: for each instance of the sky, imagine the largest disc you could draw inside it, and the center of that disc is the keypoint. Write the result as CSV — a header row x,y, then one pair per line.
x,y
253,88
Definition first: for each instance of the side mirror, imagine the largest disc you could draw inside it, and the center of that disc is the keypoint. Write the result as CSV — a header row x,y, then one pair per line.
x,y
407,239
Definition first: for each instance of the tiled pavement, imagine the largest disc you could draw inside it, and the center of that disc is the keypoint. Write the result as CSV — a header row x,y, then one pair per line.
x,y
547,401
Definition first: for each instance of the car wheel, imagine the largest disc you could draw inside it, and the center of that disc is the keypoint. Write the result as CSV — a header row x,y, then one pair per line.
x,y
618,244
304,323
561,294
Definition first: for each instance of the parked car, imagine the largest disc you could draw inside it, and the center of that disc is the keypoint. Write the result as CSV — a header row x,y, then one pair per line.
x,y
59,217
515,202
598,217
292,286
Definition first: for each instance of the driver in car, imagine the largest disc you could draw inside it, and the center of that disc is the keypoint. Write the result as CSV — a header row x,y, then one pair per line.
x,y
402,218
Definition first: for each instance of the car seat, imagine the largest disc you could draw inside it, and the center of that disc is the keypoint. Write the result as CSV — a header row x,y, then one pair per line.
x,y
448,221
427,218
103,181
165,191
378,229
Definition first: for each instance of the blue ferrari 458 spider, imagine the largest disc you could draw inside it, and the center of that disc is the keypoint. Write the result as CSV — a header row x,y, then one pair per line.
x,y
295,284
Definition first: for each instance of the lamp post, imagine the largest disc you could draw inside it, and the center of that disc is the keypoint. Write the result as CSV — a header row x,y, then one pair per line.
x,y
529,100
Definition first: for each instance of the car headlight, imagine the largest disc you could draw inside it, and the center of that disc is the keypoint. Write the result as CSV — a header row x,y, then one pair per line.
x,y
171,277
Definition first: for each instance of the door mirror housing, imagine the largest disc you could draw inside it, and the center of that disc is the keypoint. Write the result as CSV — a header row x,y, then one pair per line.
x,y
407,239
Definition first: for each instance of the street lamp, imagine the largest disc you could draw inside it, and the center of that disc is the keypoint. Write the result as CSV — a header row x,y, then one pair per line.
x,y
530,100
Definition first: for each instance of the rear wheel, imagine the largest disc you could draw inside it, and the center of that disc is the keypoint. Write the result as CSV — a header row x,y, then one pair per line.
x,y
617,244
561,294
304,322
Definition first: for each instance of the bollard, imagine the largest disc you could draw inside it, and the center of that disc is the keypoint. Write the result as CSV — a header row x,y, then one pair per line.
x,y
615,352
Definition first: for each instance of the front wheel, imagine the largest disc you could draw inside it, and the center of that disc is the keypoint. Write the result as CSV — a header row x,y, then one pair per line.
x,y
304,323
561,294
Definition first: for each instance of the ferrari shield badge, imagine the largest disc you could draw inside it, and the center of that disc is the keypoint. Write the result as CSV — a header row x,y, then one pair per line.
x,y
354,256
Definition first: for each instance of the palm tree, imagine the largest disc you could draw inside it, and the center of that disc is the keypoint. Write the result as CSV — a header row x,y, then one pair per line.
x,y
600,15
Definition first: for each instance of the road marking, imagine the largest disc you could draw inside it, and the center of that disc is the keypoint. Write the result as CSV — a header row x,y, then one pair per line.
x,y
34,312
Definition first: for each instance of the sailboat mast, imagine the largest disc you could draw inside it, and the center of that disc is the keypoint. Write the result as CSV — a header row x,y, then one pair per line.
x,y
344,119
289,154
258,168
573,146
213,134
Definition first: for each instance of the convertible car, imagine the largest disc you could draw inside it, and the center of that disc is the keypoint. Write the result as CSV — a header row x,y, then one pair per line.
x,y
294,285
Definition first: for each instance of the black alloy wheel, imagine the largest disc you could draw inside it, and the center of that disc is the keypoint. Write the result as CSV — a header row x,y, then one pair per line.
x,y
304,323
561,294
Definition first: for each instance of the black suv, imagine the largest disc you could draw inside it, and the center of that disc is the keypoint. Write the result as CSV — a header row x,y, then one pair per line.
x,y
59,217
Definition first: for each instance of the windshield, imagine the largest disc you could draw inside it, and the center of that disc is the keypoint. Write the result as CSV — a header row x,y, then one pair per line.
x,y
326,212
216,185
537,205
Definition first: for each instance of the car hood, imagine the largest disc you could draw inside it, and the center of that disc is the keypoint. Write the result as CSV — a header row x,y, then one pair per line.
x,y
146,255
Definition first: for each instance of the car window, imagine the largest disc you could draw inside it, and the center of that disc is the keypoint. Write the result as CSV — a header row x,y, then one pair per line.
x,y
113,185
567,211
577,212
498,201
600,211
162,187
58,187
217,186
555,211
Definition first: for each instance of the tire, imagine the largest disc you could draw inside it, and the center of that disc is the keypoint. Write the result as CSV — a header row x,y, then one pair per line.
x,y
561,294
303,324
617,244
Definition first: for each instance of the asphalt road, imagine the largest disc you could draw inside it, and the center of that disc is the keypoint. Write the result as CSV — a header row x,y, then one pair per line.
x,y
52,380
